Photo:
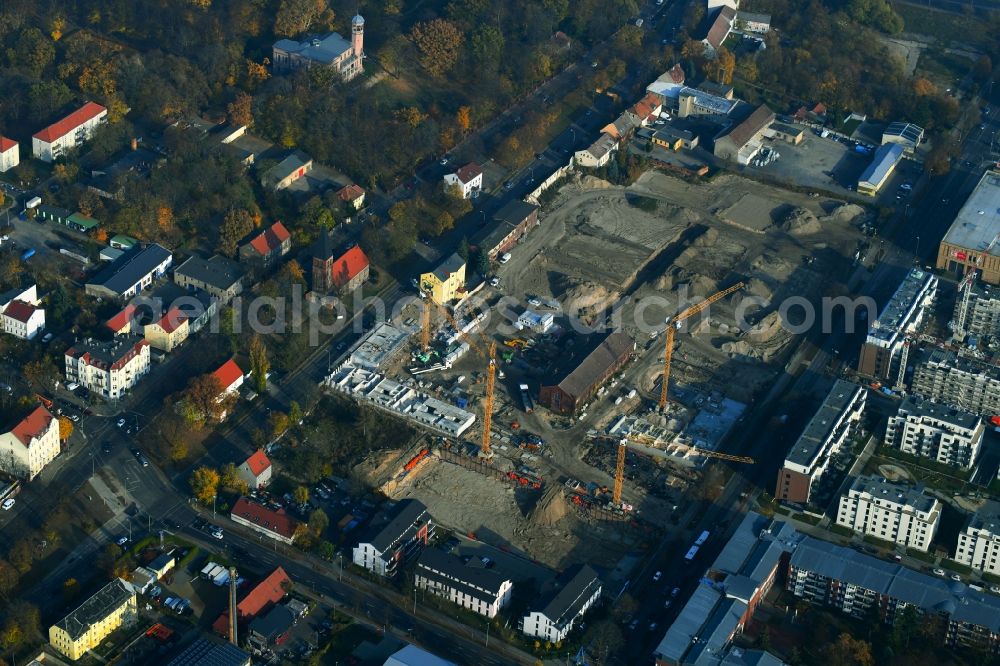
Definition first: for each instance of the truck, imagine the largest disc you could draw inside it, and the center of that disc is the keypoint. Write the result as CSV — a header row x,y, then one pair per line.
x,y
33,202
28,254
529,404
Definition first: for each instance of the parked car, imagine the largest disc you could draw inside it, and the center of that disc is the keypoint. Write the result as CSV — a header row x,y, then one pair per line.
x,y
122,540
8,504
657,576
217,532
504,258
674,592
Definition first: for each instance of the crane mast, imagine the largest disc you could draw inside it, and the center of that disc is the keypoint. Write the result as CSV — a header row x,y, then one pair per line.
x,y
673,324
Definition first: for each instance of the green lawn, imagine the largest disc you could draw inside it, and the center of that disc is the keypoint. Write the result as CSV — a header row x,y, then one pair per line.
x,y
955,566
842,531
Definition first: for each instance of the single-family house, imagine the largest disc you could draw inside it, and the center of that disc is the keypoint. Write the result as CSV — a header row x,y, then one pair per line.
x,y
668,85
168,332
598,153
352,196
255,470
230,377
468,179
645,111
219,276
23,319
10,154
620,129
446,282
30,444
343,271
265,249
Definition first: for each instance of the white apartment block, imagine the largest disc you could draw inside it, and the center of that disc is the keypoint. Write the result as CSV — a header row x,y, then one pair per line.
x,y
10,154
472,587
66,134
553,619
979,543
943,433
890,512
30,445
109,369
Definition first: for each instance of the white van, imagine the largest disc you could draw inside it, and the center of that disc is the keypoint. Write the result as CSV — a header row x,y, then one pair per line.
x,y
638,23
504,258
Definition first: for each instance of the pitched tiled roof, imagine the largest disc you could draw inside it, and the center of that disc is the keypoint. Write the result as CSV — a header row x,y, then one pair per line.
x,y
270,239
20,311
119,321
32,426
348,265
273,521
758,120
228,373
258,462
271,590
596,363
350,193
6,144
171,321
721,26
63,127
467,173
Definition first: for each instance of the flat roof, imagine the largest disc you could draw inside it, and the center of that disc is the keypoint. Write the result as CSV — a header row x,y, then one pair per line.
x,y
379,345
887,156
813,438
904,302
129,269
709,101
978,222
918,408
911,496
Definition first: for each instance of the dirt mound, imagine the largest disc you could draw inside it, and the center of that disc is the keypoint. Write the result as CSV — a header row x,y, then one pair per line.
x,y
845,213
700,286
594,183
708,238
551,508
759,288
800,222
739,348
766,330
587,297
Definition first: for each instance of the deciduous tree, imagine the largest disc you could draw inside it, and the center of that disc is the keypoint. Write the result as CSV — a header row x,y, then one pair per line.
x,y
205,484
440,44
230,479
463,118
300,494
259,363
237,223
65,428
9,578
295,17
848,651
240,110
202,400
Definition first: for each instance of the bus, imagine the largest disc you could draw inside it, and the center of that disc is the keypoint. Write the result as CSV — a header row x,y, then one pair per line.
x,y
700,541
691,554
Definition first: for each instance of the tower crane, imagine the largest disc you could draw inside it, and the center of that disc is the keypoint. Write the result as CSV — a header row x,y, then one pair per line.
x,y
425,326
616,494
672,326
490,356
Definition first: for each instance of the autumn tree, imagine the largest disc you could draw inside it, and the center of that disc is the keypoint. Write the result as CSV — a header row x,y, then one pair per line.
x,y
721,68
922,87
41,373
21,556
240,110
300,495
463,118
318,522
848,651
9,578
295,17
237,223
440,44
164,218
205,484
259,363
65,428
202,400
230,479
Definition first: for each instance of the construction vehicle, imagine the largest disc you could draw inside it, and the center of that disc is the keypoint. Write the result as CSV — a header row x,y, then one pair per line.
x,y
675,323
516,343
491,370
529,404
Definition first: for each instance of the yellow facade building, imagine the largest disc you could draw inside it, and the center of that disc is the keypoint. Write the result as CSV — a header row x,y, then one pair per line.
x,y
113,606
169,332
446,282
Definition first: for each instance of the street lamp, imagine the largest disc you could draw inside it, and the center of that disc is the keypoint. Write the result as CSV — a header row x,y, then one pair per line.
x,y
340,562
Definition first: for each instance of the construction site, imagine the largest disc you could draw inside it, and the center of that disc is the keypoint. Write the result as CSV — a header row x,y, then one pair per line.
x,y
586,453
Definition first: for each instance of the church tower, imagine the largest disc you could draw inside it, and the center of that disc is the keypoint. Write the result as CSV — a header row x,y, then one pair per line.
x,y
358,35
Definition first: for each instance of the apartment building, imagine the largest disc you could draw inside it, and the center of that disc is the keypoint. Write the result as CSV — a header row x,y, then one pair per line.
x,y
945,377
10,154
23,319
218,276
471,586
113,606
891,512
276,525
943,433
553,618
66,134
468,179
747,568
842,578
169,332
394,537
30,444
109,368
977,311
446,282
881,354
979,543
809,459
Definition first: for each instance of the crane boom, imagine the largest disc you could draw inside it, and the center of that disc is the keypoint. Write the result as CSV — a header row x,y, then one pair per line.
x,y
616,497
707,453
425,327
672,324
